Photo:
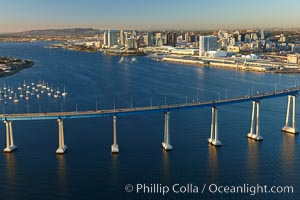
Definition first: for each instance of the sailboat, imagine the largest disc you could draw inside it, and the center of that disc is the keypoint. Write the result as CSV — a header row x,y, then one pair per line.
x,y
55,94
15,99
27,97
9,96
44,85
21,95
19,88
64,93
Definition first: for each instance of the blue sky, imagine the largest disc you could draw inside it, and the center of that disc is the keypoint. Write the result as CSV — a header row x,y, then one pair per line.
x,y
19,15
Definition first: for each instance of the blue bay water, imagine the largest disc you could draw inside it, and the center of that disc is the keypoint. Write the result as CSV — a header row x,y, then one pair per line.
x,y
88,169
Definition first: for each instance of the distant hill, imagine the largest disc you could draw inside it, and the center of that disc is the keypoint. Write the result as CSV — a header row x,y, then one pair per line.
x,y
54,32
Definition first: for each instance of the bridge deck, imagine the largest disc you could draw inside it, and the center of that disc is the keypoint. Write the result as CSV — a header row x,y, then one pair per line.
x,y
149,109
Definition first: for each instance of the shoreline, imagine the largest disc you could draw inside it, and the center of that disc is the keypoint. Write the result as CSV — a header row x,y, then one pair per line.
x,y
14,70
259,67
229,66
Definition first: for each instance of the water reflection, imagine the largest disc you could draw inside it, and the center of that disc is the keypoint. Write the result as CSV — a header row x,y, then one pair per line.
x,y
213,161
115,168
166,166
11,174
62,173
288,152
253,159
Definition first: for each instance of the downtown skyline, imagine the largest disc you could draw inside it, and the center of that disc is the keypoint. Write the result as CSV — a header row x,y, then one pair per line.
x,y
197,15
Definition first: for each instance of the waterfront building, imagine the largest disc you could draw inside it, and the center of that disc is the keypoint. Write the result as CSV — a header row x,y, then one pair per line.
x,y
131,43
158,37
171,39
216,54
164,39
207,43
98,44
187,37
293,58
112,38
90,43
159,42
105,38
184,51
122,38
148,39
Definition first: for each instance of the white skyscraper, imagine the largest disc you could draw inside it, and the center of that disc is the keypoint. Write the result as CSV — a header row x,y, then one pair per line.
x,y
105,39
207,43
122,38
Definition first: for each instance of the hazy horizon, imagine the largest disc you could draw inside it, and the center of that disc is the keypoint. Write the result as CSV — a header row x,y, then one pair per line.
x,y
17,16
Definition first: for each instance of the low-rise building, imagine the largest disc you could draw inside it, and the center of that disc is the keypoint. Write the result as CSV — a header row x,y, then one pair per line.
x,y
293,58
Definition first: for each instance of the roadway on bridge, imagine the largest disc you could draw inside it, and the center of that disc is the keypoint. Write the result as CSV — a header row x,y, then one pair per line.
x,y
148,109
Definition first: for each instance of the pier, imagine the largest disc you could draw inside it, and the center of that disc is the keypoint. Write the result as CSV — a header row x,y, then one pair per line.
x,y
214,138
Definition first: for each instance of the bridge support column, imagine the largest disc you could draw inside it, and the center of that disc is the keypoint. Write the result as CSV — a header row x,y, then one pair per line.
x,y
255,135
10,146
214,135
287,128
61,139
166,143
115,147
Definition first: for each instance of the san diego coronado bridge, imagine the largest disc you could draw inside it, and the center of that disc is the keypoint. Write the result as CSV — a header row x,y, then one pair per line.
x,y
166,109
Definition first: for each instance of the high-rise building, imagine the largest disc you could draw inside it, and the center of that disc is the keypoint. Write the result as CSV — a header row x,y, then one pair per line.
x,y
122,38
134,34
112,38
207,43
158,37
149,37
171,39
262,34
105,38
132,43
192,38
187,37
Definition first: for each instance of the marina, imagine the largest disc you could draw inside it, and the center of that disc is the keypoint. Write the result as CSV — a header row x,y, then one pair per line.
x,y
32,91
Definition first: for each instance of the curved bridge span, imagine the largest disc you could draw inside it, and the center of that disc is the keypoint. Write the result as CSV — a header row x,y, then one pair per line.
x,y
214,139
